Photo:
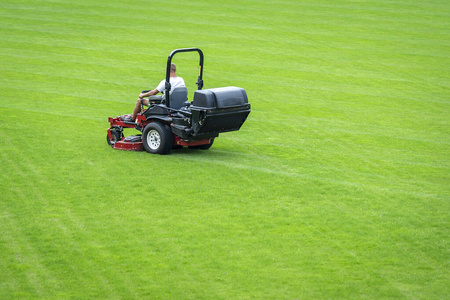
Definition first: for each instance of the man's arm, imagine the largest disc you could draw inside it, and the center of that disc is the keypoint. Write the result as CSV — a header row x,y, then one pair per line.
x,y
151,93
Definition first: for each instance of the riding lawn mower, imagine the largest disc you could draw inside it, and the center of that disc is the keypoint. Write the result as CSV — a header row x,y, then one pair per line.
x,y
171,121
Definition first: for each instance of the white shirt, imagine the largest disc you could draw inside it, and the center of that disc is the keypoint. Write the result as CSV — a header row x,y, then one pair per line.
x,y
174,81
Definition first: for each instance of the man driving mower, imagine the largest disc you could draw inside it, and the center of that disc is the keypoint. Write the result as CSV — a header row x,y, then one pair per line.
x,y
174,81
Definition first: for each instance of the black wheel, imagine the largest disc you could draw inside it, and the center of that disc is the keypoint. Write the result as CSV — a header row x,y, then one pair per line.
x,y
157,138
203,147
117,135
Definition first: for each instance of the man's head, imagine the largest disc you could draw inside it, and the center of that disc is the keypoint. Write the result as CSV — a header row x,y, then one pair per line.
x,y
173,68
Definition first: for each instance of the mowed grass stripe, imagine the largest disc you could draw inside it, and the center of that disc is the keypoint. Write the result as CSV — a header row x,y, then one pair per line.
x,y
300,63
287,99
102,7
35,68
262,35
409,7
391,11
396,20
27,83
341,83
343,87
40,52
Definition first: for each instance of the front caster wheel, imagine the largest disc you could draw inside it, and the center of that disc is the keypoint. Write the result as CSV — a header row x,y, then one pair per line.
x,y
116,134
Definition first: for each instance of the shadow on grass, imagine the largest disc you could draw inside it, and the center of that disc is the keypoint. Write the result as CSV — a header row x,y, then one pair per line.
x,y
197,152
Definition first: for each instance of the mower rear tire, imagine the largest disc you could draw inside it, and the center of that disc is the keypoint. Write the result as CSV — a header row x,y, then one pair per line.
x,y
157,138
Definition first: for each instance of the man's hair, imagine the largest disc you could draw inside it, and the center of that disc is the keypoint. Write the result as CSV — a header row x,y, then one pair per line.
x,y
173,68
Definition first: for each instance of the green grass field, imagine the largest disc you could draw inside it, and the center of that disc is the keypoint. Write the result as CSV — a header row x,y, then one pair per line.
x,y
336,187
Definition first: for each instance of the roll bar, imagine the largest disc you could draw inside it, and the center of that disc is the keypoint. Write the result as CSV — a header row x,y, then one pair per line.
x,y
169,62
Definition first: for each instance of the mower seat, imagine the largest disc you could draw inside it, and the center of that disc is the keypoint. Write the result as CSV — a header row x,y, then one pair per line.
x,y
178,97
